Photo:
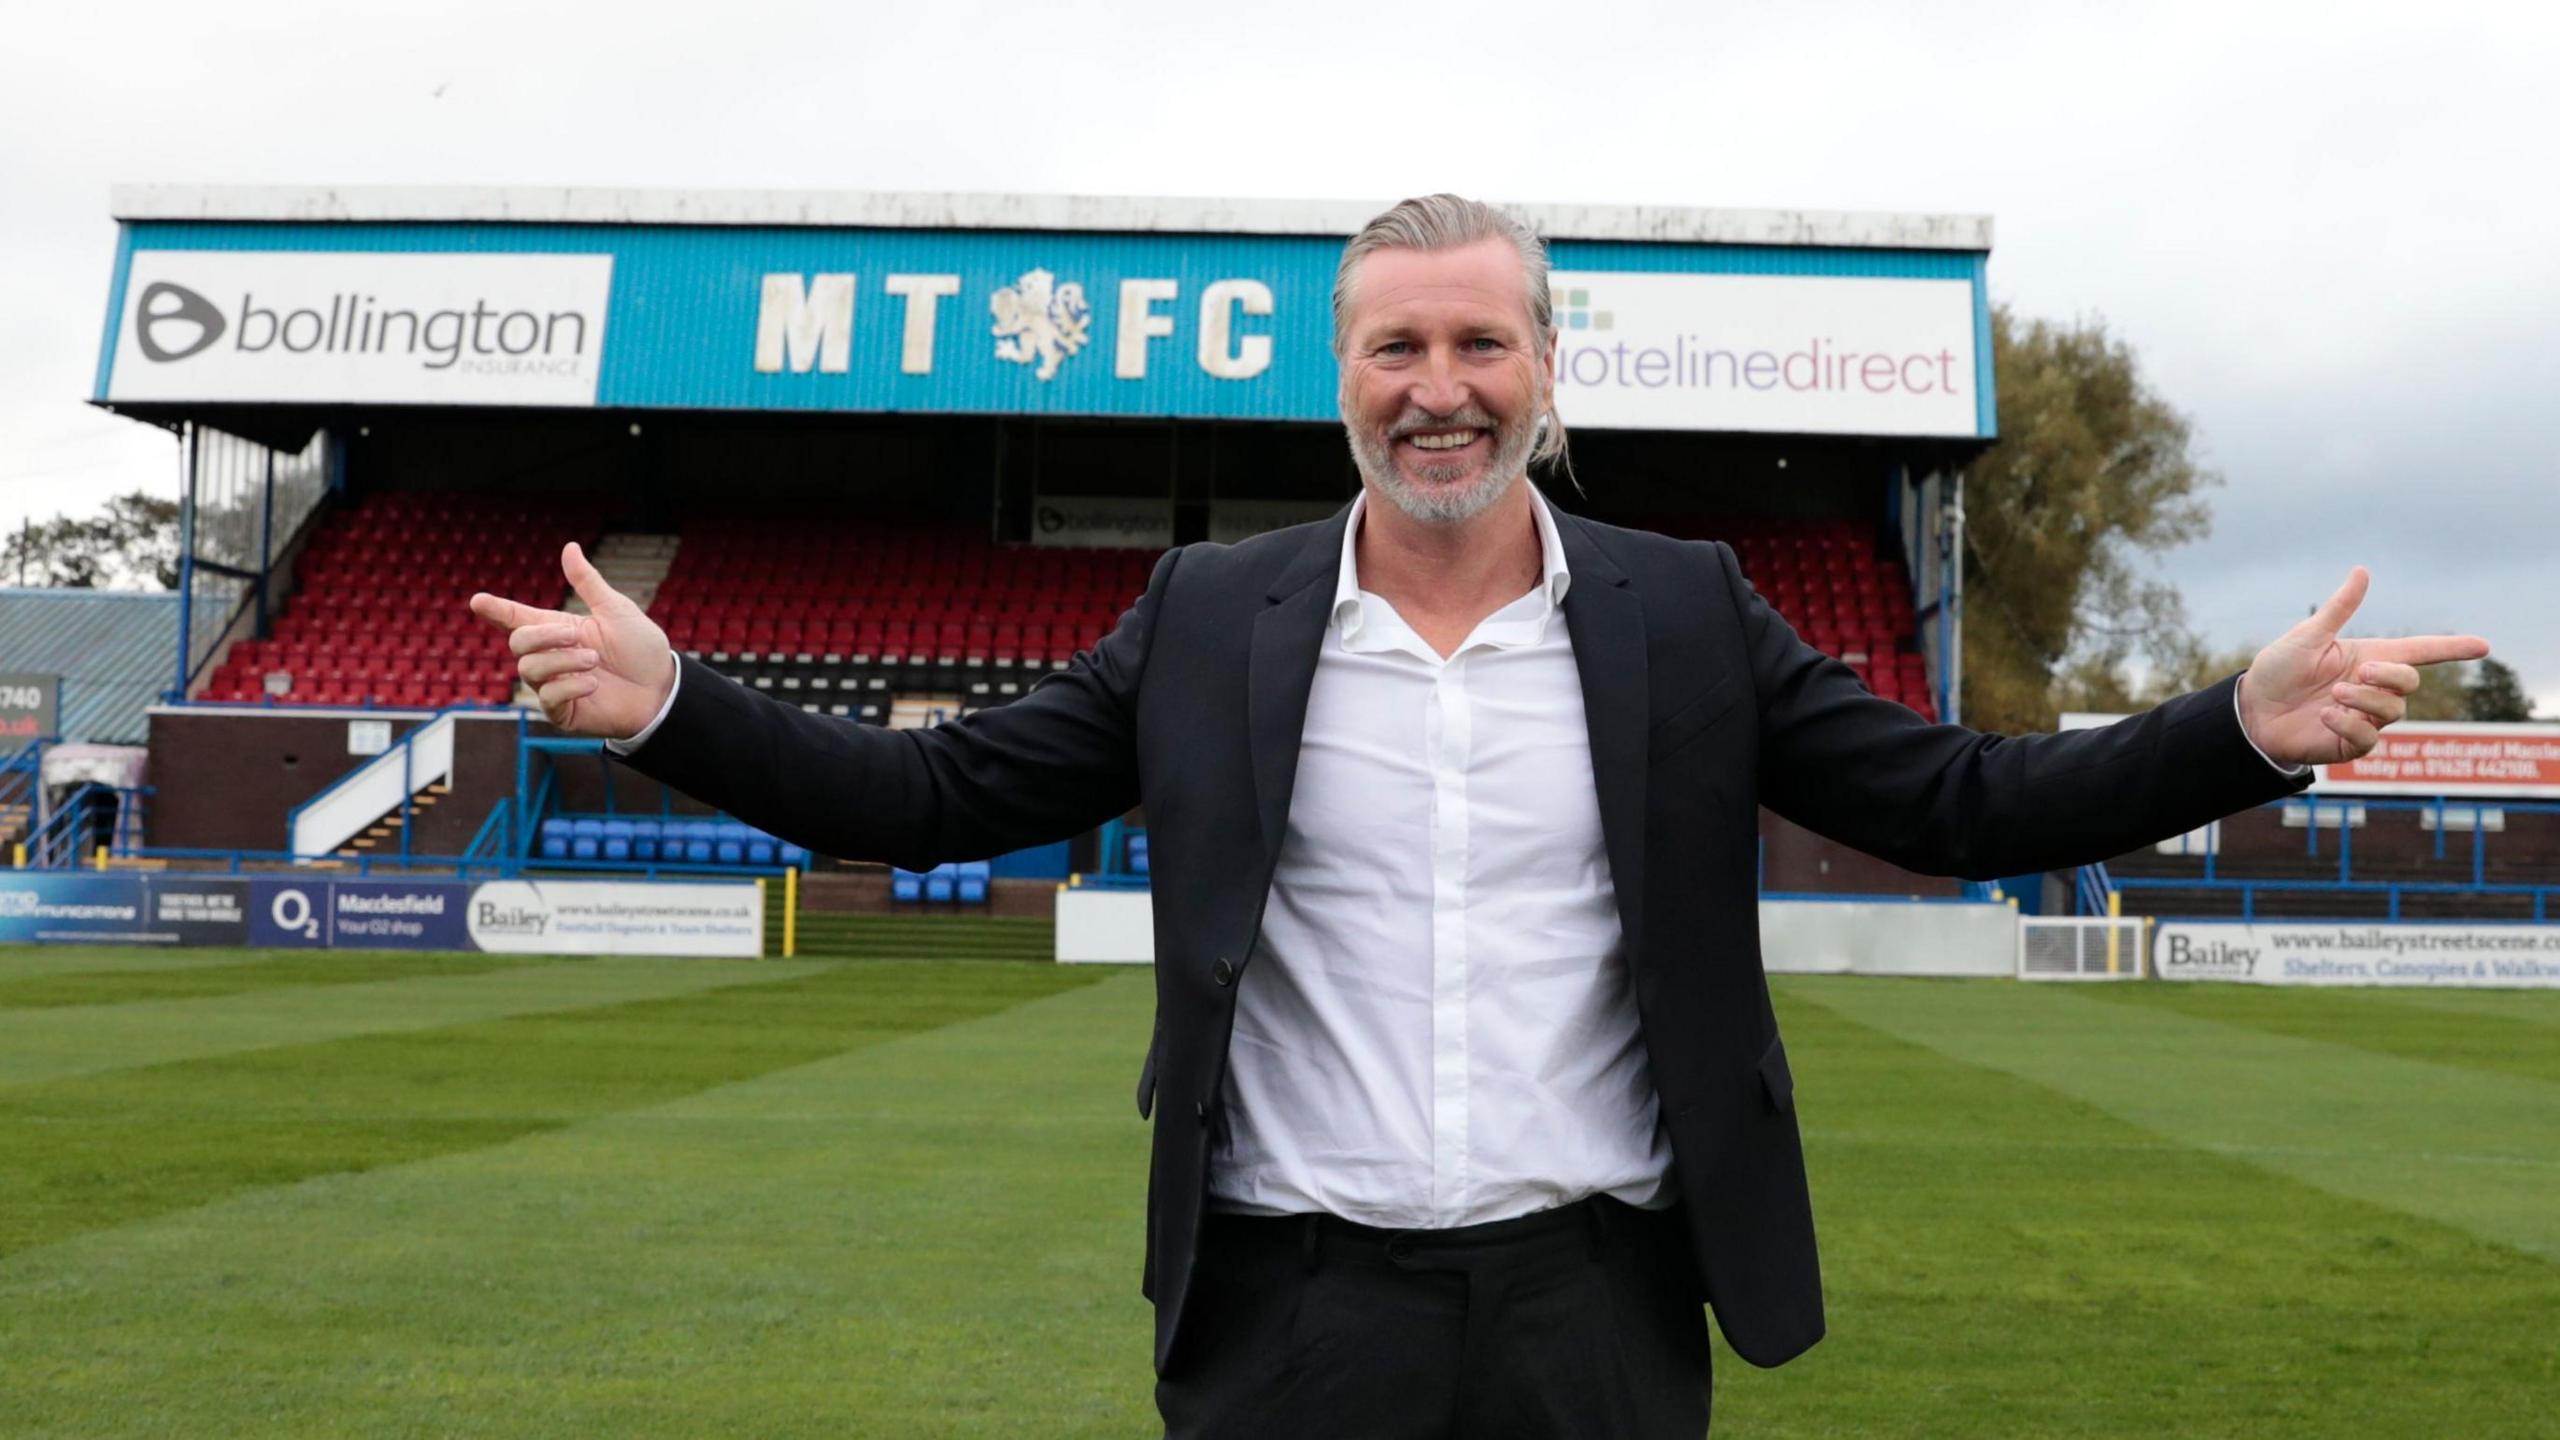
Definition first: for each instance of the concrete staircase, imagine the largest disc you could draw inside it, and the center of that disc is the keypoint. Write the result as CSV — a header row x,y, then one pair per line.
x,y
632,563
382,837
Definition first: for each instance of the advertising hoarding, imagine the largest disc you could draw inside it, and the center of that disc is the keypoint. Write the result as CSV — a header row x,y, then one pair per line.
x,y
2423,954
385,327
1004,322
546,917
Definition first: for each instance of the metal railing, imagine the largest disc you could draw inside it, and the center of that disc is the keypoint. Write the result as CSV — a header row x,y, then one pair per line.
x,y
2392,893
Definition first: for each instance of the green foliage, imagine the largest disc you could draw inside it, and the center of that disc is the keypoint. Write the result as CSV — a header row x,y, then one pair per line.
x,y
133,542
2093,472
2495,693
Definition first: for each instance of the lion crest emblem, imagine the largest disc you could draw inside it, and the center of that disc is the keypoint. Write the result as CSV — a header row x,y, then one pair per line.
x,y
1040,320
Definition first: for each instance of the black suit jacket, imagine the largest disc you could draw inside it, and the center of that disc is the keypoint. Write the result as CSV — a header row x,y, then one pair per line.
x,y
1703,706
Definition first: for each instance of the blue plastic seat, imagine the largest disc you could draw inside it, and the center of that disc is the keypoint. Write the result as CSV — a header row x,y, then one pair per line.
x,y
644,839
794,855
617,840
1138,853
697,843
555,839
938,884
905,885
760,849
971,881
586,839
729,843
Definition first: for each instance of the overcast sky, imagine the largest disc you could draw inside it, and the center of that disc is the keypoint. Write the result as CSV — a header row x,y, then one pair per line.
x,y
2330,229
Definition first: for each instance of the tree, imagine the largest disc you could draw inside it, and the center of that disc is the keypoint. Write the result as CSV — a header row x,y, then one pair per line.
x,y
2496,693
133,542
2093,471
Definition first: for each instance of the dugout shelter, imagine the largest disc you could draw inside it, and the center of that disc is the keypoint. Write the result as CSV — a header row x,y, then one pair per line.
x,y
890,456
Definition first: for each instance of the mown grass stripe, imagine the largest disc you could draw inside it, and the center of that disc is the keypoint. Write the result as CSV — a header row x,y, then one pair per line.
x,y
2531,1007
2378,1020
271,970
102,1150
20,962
2463,1147
39,1045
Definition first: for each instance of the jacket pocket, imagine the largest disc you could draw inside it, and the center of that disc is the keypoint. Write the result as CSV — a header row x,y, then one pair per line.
x,y
1681,726
1775,1077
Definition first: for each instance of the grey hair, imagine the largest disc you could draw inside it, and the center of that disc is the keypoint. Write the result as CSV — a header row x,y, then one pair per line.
x,y
1447,222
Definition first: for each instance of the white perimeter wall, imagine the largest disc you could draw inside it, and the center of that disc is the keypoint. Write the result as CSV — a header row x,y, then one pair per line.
x,y
1805,937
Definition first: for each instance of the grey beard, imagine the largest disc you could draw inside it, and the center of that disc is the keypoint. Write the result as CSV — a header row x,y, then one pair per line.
x,y
1434,502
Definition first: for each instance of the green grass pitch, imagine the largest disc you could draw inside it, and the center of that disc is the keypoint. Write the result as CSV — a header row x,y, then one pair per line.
x,y
284,1195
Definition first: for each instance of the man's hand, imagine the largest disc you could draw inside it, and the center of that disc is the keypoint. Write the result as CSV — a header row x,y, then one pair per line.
x,y
605,673
2315,697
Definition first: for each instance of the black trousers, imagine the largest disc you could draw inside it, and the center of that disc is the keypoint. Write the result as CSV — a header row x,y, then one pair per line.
x,y
1581,1322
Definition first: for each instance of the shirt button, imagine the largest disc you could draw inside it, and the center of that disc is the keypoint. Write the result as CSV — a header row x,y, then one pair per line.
x,y
1399,1253
1224,972
1199,1109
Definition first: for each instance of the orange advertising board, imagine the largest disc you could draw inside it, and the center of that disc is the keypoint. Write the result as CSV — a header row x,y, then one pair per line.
x,y
2445,758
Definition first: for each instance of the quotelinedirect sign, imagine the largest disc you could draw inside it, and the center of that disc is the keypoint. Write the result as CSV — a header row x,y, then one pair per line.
x,y
1796,354
419,329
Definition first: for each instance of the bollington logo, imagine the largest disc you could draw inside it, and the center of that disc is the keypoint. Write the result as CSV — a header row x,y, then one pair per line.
x,y
1038,319
164,305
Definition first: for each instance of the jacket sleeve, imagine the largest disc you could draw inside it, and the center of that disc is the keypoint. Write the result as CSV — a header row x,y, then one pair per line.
x,y
1058,761
1944,800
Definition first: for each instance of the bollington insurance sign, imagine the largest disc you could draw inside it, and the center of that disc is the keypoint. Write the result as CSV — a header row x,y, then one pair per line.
x,y
401,329
994,322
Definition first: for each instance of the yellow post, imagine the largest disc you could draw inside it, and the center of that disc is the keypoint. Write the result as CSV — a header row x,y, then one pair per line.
x,y
759,895
18,855
2115,911
790,911
102,857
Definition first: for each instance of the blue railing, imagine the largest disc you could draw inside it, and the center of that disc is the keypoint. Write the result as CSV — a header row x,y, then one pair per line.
x,y
236,862
2093,889
67,833
2392,893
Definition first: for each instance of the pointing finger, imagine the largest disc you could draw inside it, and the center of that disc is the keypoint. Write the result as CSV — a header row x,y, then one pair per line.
x,y
585,578
2425,649
507,614
2334,612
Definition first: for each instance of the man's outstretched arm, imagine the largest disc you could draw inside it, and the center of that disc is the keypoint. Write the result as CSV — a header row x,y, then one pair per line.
x,y
1940,799
1058,761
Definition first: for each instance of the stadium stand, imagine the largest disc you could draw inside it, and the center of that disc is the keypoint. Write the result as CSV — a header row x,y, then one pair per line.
x,y
845,621
848,618
1841,592
379,616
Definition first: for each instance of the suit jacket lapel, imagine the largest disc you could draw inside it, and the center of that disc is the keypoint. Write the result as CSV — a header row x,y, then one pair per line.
x,y
1287,638
1606,620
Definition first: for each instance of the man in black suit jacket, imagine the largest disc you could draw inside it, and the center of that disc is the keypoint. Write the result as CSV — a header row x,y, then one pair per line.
x,y
1701,704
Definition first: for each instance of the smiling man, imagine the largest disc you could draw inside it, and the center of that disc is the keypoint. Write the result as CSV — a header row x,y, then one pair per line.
x,y
1472,1095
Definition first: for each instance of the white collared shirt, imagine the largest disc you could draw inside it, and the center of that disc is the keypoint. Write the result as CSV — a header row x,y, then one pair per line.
x,y
1438,1028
